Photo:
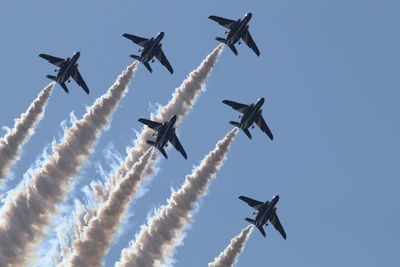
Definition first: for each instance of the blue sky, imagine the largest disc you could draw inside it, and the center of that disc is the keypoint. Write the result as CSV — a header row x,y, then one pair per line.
x,y
328,71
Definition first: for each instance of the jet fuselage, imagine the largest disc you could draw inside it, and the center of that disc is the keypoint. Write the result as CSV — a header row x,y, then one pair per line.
x,y
251,115
266,211
238,29
166,132
67,68
151,49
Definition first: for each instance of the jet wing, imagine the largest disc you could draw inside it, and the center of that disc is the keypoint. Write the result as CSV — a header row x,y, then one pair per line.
x,y
277,224
136,39
237,106
79,80
227,23
152,124
175,142
264,127
250,43
251,202
53,60
164,61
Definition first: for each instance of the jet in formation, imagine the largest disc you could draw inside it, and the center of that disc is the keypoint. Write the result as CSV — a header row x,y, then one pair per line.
x,y
266,211
150,48
66,69
237,30
250,114
165,133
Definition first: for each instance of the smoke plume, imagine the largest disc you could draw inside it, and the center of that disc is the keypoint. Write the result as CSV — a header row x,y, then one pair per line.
x,y
182,101
27,211
164,231
91,247
24,128
229,256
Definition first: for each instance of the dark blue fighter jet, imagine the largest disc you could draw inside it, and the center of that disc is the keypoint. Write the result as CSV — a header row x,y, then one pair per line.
x,y
165,133
266,212
250,114
237,30
66,69
150,48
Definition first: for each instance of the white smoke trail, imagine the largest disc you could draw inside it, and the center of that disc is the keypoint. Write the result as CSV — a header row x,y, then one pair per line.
x,y
11,144
89,249
229,256
182,101
27,212
163,234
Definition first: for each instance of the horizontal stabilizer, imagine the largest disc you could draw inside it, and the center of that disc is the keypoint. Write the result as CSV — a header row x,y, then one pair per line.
x,y
64,87
234,123
152,143
233,48
147,65
262,230
135,57
163,152
51,77
222,40
250,220
247,132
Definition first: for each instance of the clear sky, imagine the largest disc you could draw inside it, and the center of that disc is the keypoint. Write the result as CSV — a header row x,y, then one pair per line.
x,y
329,71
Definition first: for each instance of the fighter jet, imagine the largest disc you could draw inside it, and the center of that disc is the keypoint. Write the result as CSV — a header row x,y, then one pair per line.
x,y
250,114
150,48
165,132
266,211
237,30
66,69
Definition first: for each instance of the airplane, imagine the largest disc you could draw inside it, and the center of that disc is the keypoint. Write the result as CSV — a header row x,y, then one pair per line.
x,y
250,114
165,132
237,30
150,48
266,211
66,69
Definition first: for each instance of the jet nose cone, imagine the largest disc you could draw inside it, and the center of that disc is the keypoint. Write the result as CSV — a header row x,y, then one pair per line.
x,y
173,118
276,197
161,34
249,15
77,54
261,100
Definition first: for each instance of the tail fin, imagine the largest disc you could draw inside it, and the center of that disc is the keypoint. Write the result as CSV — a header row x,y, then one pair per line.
x,y
234,123
247,132
222,40
135,57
